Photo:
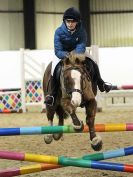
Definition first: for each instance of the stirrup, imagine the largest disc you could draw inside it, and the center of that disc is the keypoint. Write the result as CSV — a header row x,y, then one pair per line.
x,y
51,102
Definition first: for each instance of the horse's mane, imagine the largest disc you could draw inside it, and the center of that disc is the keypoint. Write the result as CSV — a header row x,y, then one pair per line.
x,y
75,58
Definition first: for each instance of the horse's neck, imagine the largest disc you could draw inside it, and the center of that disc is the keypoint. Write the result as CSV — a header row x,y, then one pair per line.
x,y
87,84
62,86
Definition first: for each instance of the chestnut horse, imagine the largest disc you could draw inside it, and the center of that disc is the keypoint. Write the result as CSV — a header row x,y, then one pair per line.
x,y
76,89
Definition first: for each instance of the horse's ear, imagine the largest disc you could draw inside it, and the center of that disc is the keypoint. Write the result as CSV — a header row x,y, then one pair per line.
x,y
79,58
77,61
66,61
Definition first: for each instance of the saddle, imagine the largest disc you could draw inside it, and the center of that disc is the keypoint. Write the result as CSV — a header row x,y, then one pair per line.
x,y
57,71
89,65
54,81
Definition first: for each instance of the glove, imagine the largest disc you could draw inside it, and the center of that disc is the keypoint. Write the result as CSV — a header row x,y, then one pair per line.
x,y
67,55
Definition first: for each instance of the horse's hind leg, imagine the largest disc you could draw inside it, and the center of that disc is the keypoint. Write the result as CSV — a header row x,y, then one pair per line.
x,y
50,115
60,113
96,141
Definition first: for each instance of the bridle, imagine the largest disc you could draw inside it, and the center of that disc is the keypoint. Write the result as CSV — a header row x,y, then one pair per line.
x,y
83,80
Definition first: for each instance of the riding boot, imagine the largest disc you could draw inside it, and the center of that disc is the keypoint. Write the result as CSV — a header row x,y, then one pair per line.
x,y
103,86
54,85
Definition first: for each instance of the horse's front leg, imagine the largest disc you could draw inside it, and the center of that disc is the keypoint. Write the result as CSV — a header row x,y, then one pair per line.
x,y
96,141
77,124
70,109
60,114
50,115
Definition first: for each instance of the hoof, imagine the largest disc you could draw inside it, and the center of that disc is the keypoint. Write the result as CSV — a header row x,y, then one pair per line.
x,y
48,139
79,128
97,143
57,136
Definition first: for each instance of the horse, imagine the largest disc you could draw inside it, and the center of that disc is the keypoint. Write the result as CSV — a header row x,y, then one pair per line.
x,y
76,89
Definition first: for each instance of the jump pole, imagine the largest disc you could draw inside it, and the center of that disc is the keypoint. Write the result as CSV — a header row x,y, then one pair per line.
x,y
11,155
10,89
64,129
27,169
42,167
122,87
23,92
76,162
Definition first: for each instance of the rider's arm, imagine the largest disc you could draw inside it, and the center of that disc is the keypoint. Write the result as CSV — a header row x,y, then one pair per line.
x,y
58,47
81,46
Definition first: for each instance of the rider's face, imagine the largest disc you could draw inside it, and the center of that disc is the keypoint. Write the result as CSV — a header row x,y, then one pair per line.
x,y
71,24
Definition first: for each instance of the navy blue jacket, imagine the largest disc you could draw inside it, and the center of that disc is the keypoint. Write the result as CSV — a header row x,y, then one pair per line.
x,y
65,42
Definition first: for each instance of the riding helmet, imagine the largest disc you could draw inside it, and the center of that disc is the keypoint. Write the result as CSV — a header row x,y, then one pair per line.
x,y
72,13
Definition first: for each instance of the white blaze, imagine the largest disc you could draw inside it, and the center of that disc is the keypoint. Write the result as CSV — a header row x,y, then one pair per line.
x,y
76,96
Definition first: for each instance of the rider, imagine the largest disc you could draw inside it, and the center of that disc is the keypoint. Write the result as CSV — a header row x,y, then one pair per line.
x,y
68,37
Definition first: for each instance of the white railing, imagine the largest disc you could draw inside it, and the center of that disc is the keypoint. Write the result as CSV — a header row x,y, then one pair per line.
x,y
117,98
